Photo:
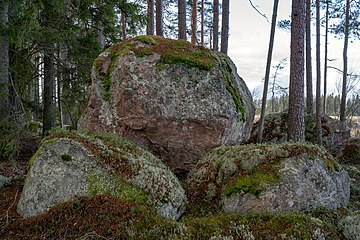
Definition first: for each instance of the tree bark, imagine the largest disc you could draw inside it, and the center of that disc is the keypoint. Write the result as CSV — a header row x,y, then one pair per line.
x,y
4,60
48,110
202,23
318,128
150,15
296,120
182,19
159,18
193,21
326,54
267,71
309,89
344,82
225,26
216,26
123,26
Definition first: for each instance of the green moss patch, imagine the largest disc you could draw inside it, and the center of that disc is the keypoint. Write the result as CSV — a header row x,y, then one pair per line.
x,y
226,72
66,157
254,184
115,186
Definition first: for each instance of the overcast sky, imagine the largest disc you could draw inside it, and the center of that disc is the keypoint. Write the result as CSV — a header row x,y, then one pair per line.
x,y
249,40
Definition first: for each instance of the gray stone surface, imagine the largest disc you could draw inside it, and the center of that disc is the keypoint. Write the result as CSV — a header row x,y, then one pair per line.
x,y
63,169
178,112
273,178
3,181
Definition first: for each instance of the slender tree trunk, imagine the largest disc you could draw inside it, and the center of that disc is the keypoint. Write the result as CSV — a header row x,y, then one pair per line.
x,y
216,26
296,120
100,34
202,23
159,18
123,26
150,14
193,21
4,60
344,82
318,128
267,72
225,26
59,79
326,54
309,90
48,111
182,19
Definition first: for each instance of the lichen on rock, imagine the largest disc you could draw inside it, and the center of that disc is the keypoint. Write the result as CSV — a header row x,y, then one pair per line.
x,y
177,99
86,164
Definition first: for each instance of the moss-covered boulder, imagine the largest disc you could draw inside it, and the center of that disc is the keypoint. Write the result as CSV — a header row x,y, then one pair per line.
x,y
84,164
278,178
178,99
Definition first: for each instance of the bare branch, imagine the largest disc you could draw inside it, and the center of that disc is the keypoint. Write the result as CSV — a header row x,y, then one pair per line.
x,y
339,70
257,10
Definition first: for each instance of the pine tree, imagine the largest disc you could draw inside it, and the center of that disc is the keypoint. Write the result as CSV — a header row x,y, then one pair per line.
x,y
296,120
4,59
225,26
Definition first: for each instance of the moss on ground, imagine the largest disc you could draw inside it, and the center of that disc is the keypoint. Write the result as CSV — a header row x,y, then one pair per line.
x,y
104,216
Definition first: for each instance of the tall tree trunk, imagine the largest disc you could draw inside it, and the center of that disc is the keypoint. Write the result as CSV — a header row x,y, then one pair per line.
x,y
182,19
159,18
150,15
296,120
202,23
4,60
193,21
267,72
216,26
318,128
326,54
345,62
309,90
225,26
48,109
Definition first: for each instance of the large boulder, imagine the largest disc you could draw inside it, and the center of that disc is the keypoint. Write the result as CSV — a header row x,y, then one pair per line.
x,y
284,178
83,164
178,99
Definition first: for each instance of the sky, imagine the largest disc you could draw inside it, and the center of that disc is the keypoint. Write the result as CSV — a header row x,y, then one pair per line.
x,y
249,40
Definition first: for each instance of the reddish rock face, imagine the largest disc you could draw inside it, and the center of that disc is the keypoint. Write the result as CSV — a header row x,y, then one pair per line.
x,y
179,109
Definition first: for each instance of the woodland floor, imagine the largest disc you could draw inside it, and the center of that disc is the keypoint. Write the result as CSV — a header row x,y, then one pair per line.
x,y
71,221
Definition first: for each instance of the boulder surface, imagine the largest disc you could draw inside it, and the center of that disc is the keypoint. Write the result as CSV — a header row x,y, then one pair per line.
x,y
282,178
177,99
80,164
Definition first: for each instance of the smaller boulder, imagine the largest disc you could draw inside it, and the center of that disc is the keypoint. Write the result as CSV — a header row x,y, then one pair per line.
x,y
85,164
278,178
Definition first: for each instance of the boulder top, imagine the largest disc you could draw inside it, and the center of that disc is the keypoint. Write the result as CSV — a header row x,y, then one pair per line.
x,y
171,52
